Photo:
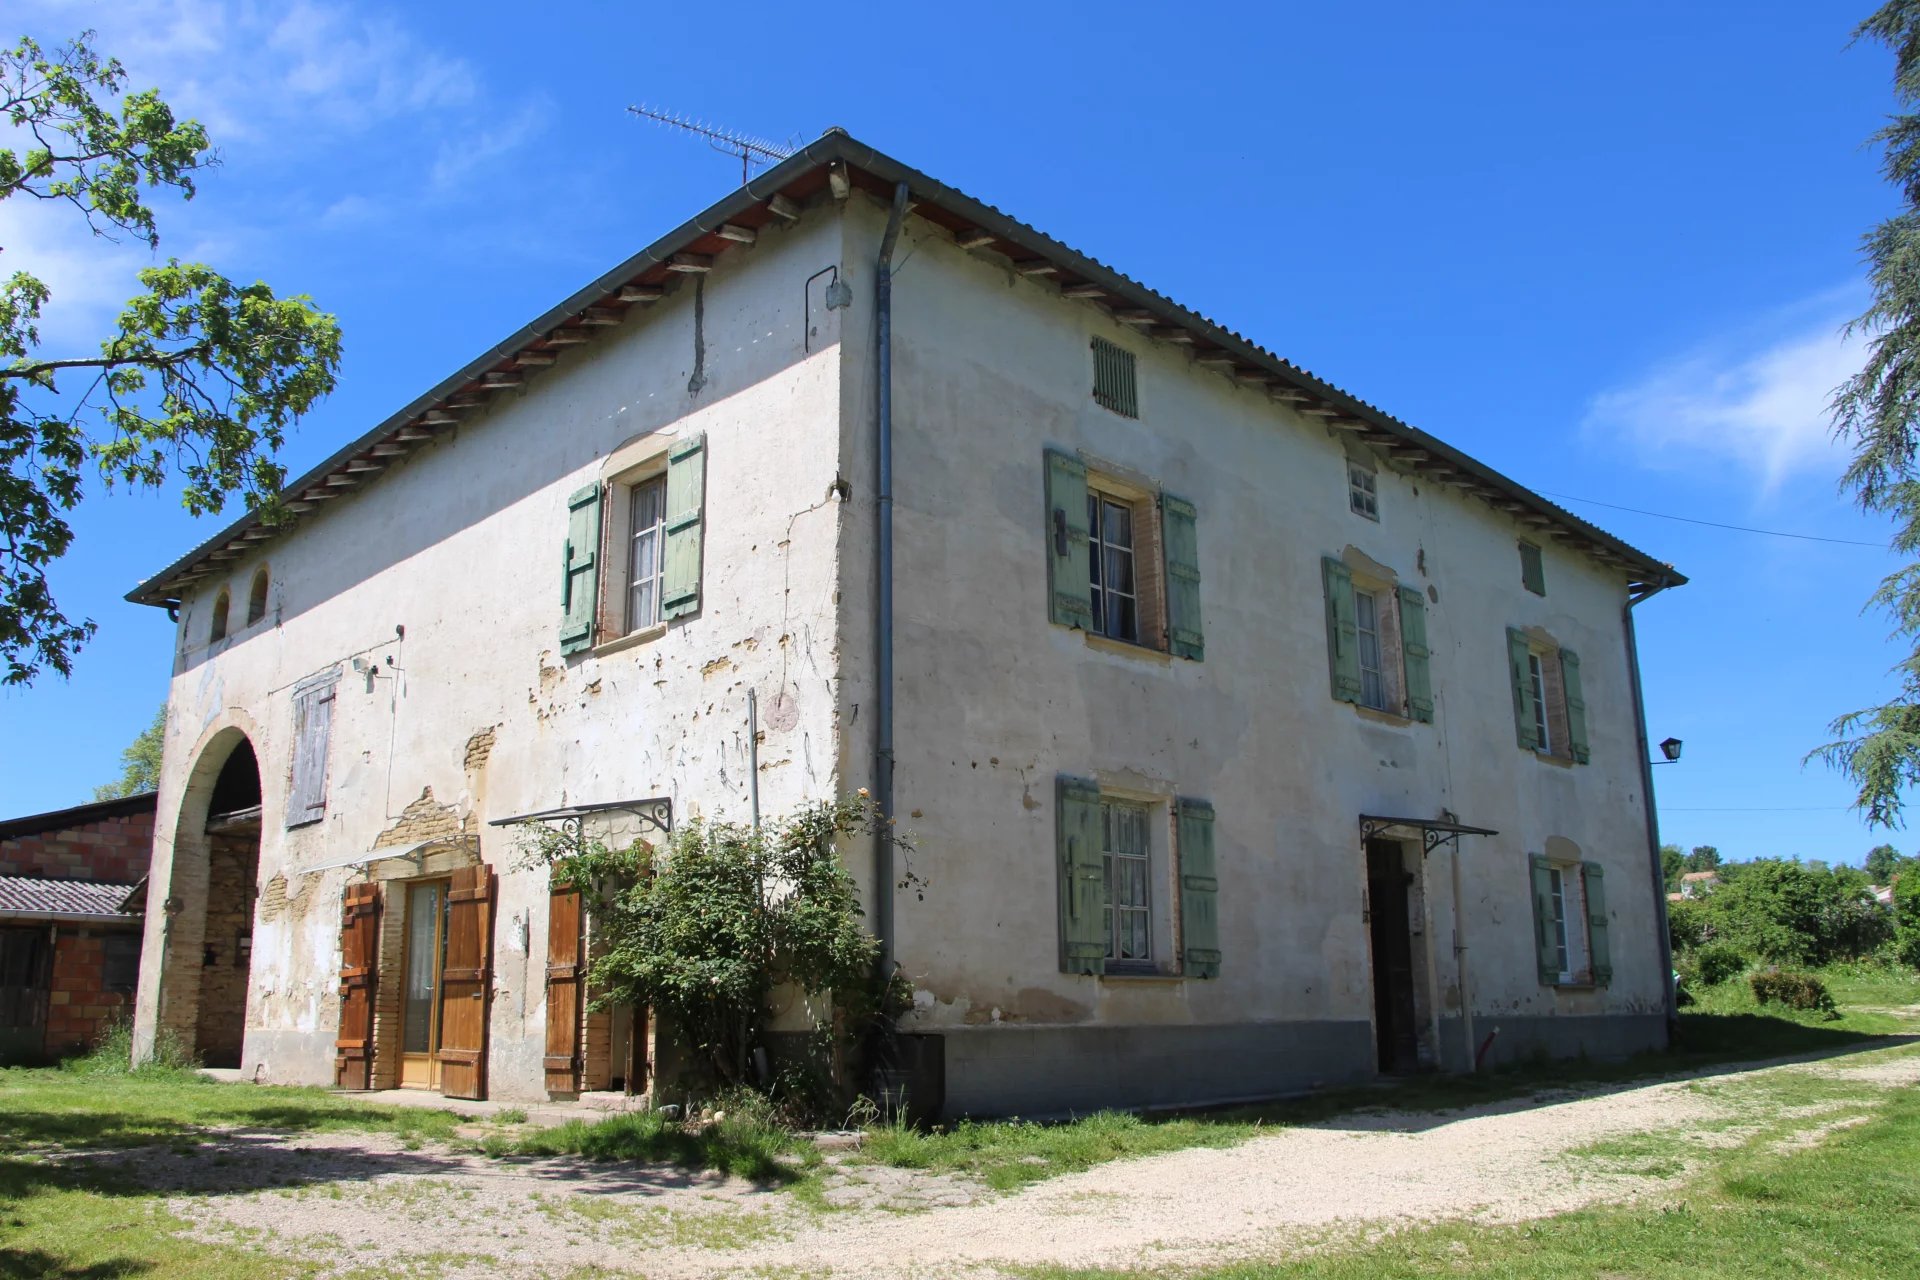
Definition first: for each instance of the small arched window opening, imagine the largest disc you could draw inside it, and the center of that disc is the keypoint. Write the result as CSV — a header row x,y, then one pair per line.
x,y
218,631
257,596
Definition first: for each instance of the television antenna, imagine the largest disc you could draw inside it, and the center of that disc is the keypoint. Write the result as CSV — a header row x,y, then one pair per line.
x,y
751,150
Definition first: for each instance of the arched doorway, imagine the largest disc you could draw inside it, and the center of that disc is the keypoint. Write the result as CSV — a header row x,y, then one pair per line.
x,y
209,903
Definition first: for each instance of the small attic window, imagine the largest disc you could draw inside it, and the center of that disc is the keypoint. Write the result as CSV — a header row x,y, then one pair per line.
x,y
1533,574
1363,493
1114,384
257,596
217,630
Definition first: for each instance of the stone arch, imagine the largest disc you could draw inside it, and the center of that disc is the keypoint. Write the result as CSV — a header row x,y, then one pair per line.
x,y
206,906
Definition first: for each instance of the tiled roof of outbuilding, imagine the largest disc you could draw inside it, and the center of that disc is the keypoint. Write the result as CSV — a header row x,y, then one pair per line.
x,y
31,895
838,163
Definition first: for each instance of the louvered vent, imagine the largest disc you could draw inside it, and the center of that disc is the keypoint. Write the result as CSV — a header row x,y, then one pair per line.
x,y
1114,385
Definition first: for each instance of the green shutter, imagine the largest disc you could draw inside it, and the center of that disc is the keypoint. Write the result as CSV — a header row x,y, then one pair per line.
x,y
1593,879
686,517
1415,655
1068,577
1181,535
1343,630
1199,891
1522,689
580,570
1083,879
1533,574
1576,704
1545,945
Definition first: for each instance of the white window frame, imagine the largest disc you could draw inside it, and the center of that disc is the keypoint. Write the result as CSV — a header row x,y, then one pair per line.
x,y
1363,491
1374,692
1571,928
654,534
1556,878
1537,682
1145,911
1103,594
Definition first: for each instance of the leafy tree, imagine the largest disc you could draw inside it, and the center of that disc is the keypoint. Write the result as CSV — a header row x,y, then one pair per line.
x,y
1703,858
1672,864
1790,913
1882,862
1906,919
200,378
139,763
704,933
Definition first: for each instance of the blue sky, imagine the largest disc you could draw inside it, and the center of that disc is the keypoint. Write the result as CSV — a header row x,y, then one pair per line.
x,y
1608,251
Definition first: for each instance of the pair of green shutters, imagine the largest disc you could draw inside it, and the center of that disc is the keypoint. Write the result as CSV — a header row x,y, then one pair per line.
x,y
1083,883
1343,641
1524,721
1069,543
1593,882
580,554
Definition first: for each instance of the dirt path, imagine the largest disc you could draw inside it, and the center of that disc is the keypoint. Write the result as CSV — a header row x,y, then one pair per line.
x,y
364,1201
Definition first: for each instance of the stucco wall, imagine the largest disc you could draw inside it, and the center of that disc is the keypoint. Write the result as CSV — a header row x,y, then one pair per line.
x,y
995,701
459,545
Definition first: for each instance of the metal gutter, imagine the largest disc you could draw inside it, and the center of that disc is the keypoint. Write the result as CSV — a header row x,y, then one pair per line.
x,y
65,917
883,587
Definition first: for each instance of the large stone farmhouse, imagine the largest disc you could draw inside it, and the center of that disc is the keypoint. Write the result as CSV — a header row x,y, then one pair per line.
x,y
1252,739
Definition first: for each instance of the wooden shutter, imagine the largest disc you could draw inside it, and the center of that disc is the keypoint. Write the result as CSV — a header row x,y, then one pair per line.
x,y
1069,580
312,727
1546,945
359,964
1533,574
466,983
1414,654
1576,705
1180,534
1083,879
564,989
1199,891
580,570
686,519
1522,690
1343,630
1593,880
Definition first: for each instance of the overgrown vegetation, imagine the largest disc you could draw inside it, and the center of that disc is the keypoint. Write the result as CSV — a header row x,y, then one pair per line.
x,y
1795,990
1781,911
705,930
740,1134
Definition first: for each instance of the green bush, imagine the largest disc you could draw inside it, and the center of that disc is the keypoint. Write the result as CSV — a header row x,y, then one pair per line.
x,y
1795,990
1687,925
1906,918
1714,963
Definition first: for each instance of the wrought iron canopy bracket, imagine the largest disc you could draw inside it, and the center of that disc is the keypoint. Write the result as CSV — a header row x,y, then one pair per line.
x,y
1433,832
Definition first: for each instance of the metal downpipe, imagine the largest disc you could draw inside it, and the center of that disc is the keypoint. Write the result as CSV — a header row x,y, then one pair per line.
x,y
1663,938
883,585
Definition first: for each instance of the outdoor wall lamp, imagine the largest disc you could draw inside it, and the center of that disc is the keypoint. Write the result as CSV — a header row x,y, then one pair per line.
x,y
1671,750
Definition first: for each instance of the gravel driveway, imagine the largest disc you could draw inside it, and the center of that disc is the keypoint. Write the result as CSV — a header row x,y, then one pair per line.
x,y
360,1201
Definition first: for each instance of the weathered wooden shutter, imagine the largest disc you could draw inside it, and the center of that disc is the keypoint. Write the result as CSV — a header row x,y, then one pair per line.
x,y
1522,690
1069,581
1180,534
359,960
580,570
1343,630
1199,891
686,522
466,984
564,989
1594,880
1414,654
1546,943
1576,705
1083,878
312,728
1533,574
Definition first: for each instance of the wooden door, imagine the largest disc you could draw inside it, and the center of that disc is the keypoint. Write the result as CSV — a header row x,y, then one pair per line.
x,y
359,954
564,987
466,983
1396,1036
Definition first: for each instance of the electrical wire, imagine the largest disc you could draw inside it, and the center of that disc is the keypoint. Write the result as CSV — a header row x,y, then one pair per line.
x,y
1789,808
1714,524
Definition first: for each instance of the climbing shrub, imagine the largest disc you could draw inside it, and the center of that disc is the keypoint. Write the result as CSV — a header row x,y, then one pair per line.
x,y
704,930
1714,963
1795,990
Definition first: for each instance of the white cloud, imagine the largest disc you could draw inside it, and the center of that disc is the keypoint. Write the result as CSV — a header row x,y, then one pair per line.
x,y
468,153
90,278
1757,402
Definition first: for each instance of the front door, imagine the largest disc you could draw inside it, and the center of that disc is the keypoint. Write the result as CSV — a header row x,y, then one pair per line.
x,y
1395,1035
422,997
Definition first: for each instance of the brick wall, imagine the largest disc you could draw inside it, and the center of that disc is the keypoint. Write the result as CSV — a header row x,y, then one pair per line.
x,y
115,849
233,862
80,1005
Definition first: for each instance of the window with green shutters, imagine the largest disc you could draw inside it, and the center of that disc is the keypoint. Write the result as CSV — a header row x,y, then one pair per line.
x,y
1112,872
1533,573
1377,651
1570,923
580,570
1549,699
1123,561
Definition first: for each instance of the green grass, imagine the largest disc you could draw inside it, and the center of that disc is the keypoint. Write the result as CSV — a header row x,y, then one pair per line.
x,y
1009,1154
746,1145
1847,1208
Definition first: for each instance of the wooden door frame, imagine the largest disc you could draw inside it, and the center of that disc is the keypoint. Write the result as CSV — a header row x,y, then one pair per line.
x,y
435,1009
